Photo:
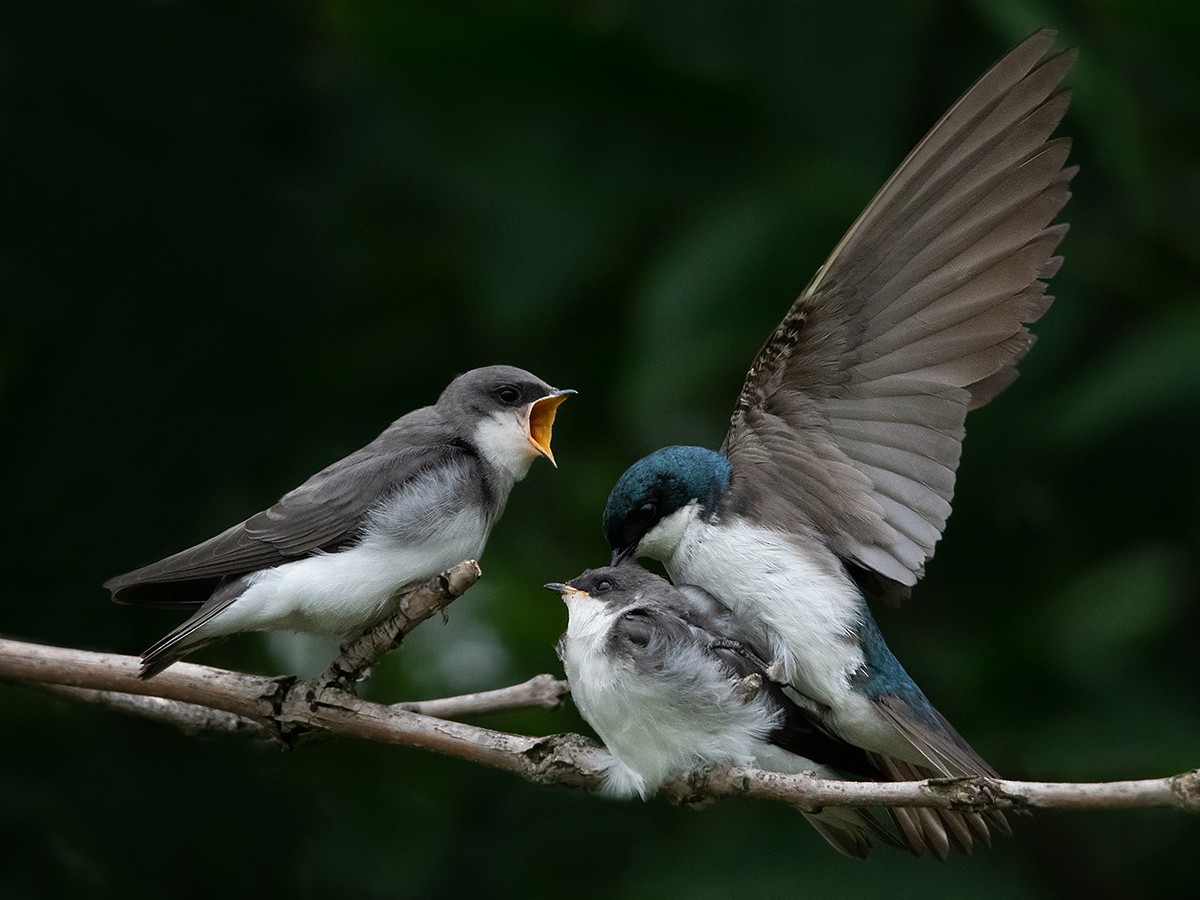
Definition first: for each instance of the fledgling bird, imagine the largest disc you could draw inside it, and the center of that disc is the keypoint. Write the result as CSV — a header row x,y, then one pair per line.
x,y
332,555
835,477
661,676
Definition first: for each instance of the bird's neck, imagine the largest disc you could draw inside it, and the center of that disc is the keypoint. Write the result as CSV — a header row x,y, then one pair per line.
x,y
663,541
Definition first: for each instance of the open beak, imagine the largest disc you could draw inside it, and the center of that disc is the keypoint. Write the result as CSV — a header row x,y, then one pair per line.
x,y
541,421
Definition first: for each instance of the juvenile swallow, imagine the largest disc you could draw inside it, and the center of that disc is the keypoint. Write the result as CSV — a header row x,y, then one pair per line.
x,y
661,676
835,478
332,556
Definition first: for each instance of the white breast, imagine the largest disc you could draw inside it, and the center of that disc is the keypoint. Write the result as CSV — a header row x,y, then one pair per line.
x,y
804,610
410,537
657,724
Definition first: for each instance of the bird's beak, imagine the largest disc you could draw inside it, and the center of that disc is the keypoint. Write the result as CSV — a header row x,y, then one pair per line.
x,y
541,421
623,555
565,589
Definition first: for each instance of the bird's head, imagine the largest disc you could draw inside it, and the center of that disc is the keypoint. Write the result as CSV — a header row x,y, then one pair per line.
x,y
608,609
614,586
647,506
508,414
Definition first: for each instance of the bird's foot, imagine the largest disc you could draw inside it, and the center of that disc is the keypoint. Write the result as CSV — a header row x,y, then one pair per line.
x,y
748,688
777,672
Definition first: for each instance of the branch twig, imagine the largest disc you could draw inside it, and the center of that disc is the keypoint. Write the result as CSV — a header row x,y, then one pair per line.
x,y
976,794
283,708
202,699
189,717
544,691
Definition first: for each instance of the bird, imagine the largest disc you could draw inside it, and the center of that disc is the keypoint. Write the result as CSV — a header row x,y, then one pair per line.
x,y
670,686
332,556
834,479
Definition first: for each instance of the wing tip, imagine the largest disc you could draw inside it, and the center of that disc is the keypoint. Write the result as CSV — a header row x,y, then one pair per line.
x,y
118,586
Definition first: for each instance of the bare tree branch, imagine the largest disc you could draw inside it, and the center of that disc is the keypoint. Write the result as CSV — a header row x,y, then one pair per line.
x,y
291,711
977,794
200,699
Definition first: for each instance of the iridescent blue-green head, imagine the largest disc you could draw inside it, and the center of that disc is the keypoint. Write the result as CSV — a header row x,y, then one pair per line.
x,y
655,488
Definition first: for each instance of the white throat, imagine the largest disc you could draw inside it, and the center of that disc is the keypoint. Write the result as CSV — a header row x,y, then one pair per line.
x,y
503,440
661,541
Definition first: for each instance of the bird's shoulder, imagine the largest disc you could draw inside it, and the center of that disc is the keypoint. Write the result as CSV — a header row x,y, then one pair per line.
x,y
415,448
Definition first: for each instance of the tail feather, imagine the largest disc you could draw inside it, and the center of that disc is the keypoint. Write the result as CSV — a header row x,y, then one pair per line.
x,y
938,830
923,831
184,639
852,832
166,652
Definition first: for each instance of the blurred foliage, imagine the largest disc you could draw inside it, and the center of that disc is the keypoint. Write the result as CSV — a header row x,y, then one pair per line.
x,y
242,237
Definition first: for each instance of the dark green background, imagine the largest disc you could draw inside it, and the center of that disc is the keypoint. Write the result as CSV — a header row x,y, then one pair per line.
x,y
240,238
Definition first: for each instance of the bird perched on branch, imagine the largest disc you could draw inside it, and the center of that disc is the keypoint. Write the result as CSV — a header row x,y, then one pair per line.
x,y
663,677
332,555
835,477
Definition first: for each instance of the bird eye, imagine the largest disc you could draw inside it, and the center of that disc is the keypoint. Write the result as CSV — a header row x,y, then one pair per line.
x,y
507,394
646,512
602,586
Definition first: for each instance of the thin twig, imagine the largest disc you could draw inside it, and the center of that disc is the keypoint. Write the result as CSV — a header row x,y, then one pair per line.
x,y
541,691
189,717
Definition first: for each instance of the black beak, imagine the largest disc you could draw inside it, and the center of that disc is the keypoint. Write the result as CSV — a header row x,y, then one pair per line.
x,y
623,555
555,586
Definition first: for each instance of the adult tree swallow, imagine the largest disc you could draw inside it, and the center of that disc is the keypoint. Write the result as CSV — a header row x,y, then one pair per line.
x,y
662,676
332,555
837,471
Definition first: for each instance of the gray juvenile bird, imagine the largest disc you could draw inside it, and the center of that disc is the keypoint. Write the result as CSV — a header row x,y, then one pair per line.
x,y
669,686
835,477
332,554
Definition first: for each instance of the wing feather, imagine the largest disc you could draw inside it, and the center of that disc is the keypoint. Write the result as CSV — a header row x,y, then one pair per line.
x,y
324,513
850,423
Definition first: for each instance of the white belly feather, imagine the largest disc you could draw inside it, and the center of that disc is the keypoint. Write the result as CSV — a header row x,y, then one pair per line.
x,y
421,531
344,592
805,613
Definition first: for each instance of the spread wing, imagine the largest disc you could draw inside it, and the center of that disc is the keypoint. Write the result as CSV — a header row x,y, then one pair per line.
x,y
324,513
850,422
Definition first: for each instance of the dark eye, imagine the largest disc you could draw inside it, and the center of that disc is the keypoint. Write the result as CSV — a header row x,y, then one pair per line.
x,y
646,512
507,394
602,586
